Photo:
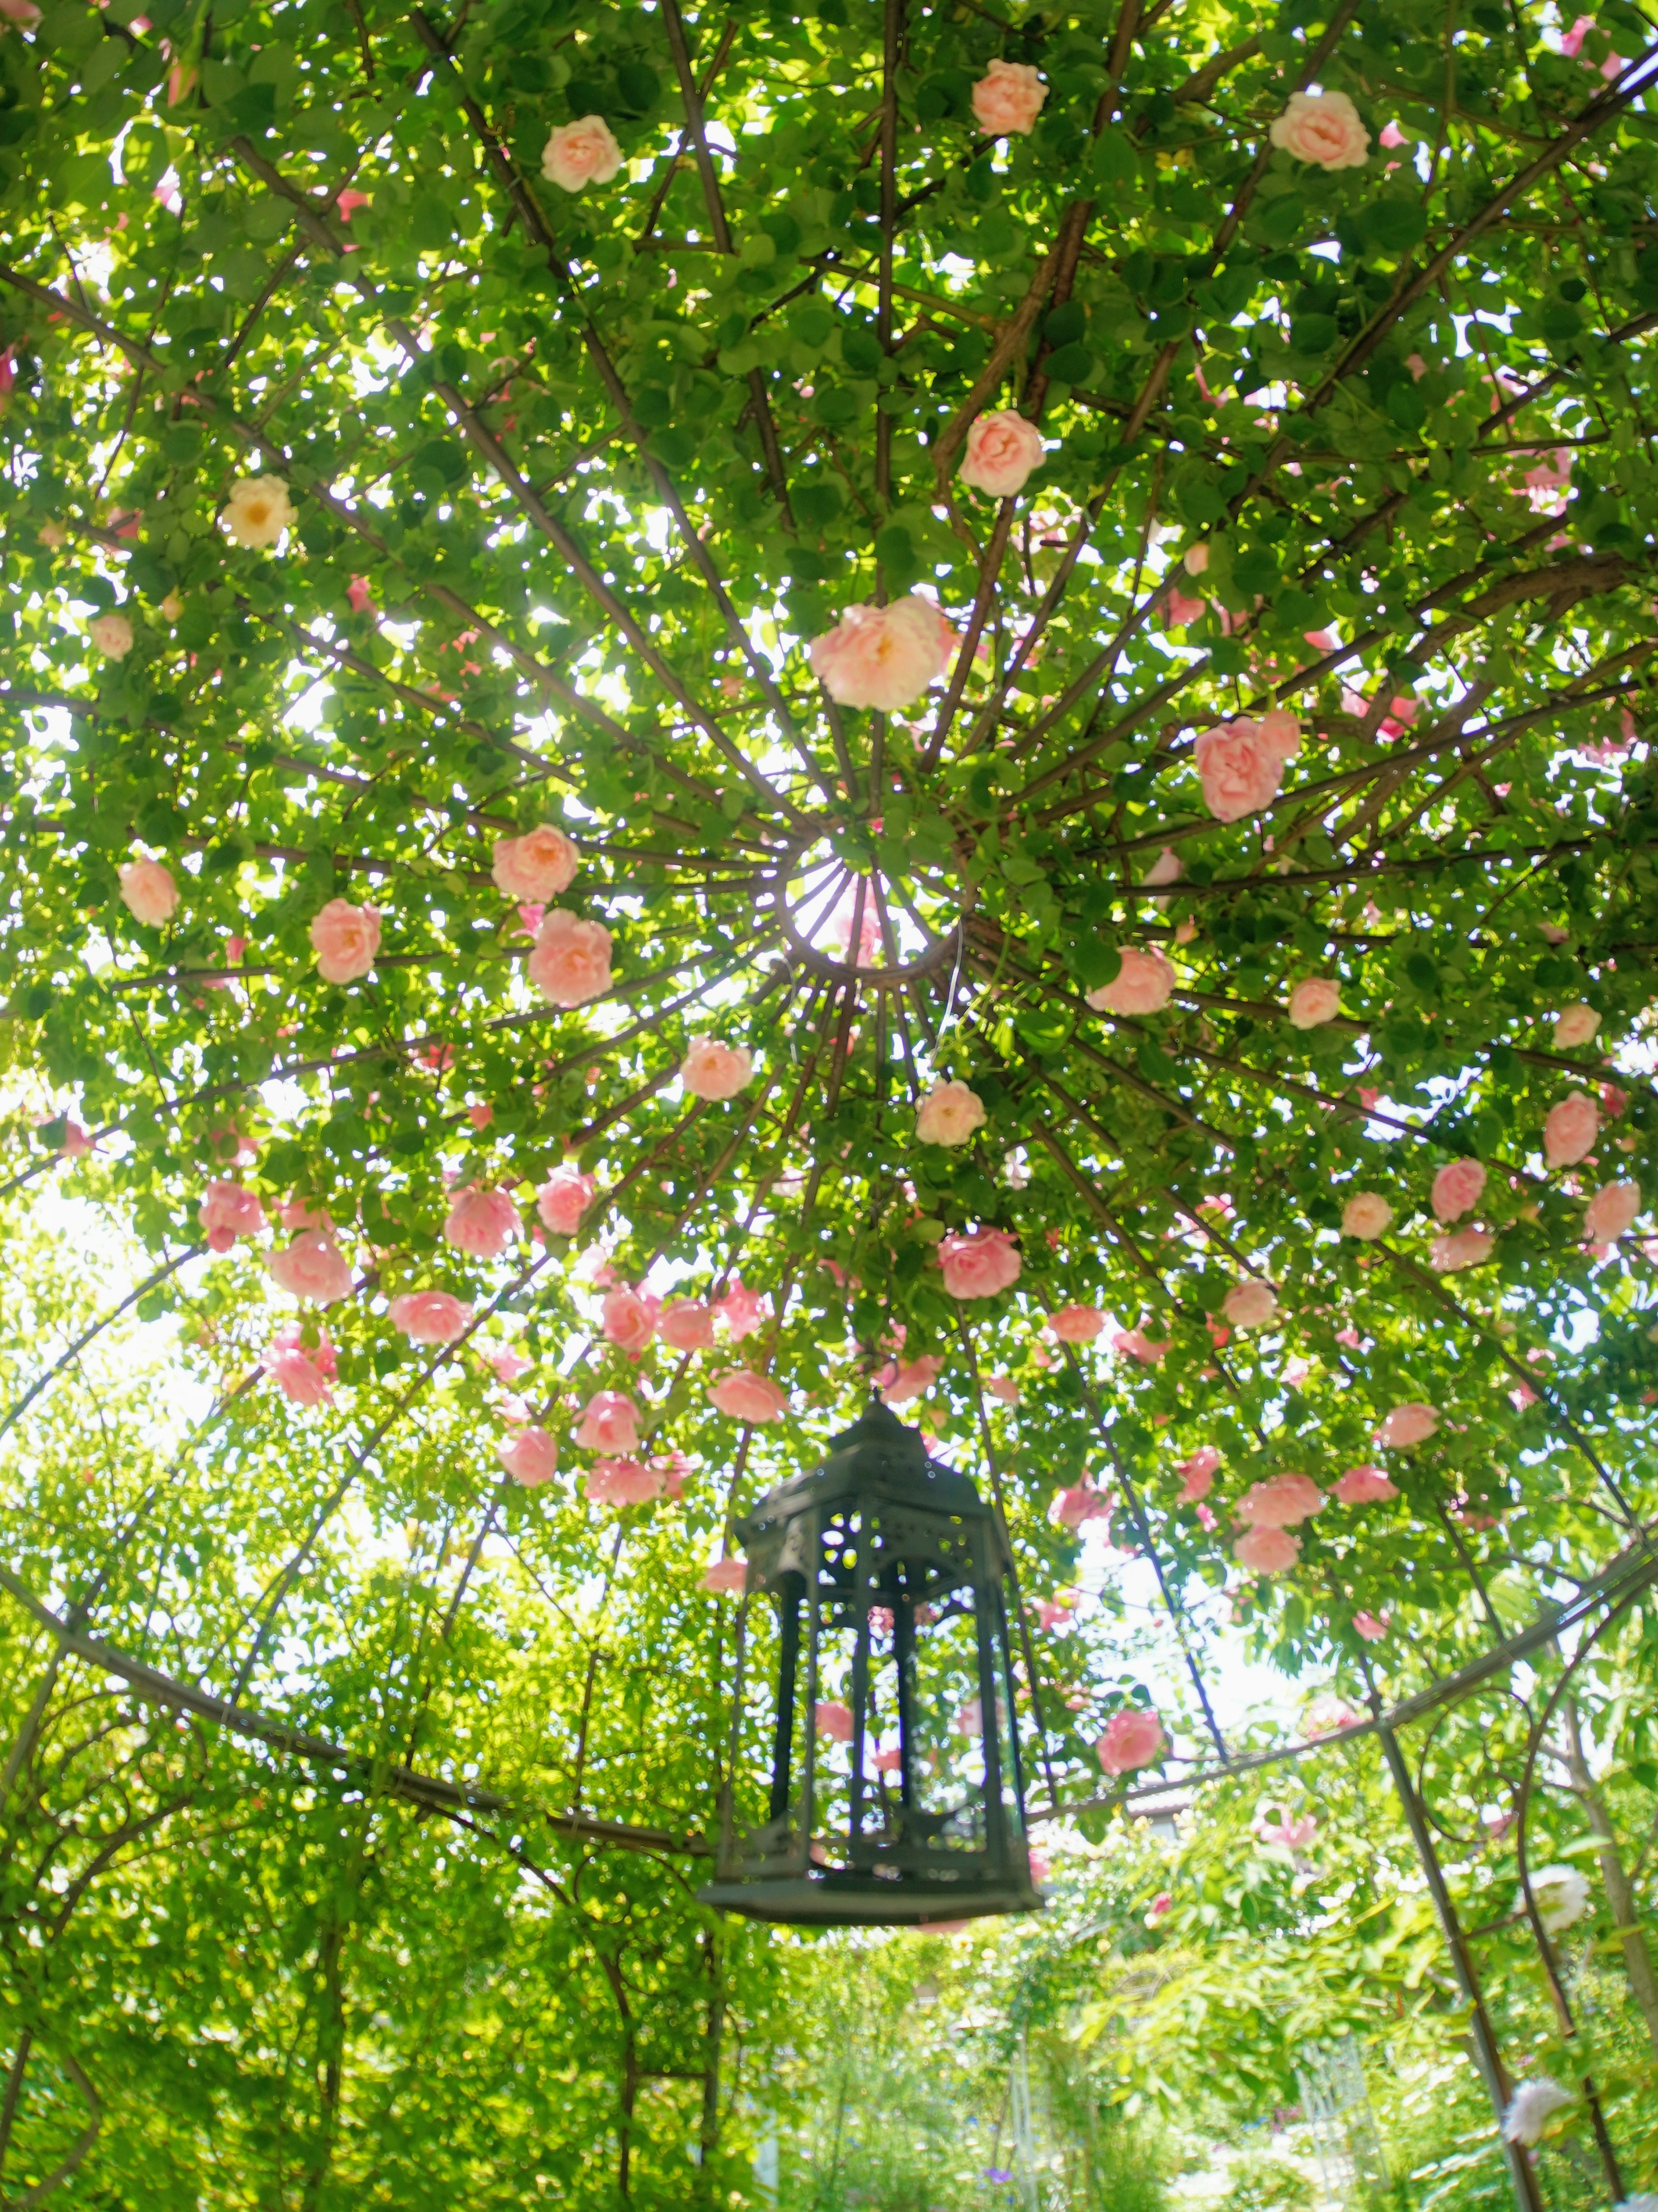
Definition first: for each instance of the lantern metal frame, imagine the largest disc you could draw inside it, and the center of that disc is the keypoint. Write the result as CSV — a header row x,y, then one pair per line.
x,y
879,1525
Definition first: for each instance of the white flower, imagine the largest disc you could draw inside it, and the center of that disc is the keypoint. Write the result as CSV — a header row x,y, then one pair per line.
x,y
1562,1895
258,510
1534,2104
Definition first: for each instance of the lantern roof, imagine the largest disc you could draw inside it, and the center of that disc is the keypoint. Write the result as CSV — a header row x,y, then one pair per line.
x,y
878,1461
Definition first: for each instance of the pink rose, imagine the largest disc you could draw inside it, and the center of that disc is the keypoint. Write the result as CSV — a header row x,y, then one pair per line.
x,y
563,1198
716,1071
1069,1508
622,1482
302,1376
1181,609
1463,1247
531,1457
1406,1425
1323,128
148,891
1003,1387
507,1363
885,657
1284,1502
1241,764
913,1380
1314,1000
312,1267
1570,1130
1250,1305
609,1423
1200,1471
1267,1551
345,938
746,1396
1077,1324
570,960
111,635
1369,1628
1457,1188
687,1325
1008,99
979,1262
1134,1738
1165,869
429,1316
628,1318
743,1310
23,13
583,152
1611,1212
949,1115
227,1211
1135,1343
1053,1612
1140,986
1365,1215
1364,1485
727,1575
482,1222
537,865
832,1719
1002,450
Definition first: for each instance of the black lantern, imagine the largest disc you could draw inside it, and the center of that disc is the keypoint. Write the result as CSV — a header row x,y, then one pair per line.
x,y
895,1795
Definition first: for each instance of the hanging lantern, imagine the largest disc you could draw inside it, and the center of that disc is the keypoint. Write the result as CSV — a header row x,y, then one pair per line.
x,y
895,1795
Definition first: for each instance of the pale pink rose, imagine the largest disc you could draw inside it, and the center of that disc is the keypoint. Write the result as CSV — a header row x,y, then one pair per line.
x,y
1463,1247
1267,1551
716,1071
537,865
302,1376
1250,1305
1181,609
1326,1714
1369,1628
1457,1189
148,891
832,1719
1077,1324
1314,1000
1162,1906
1008,99
563,1198
913,1380
227,1211
1392,136
570,961
359,596
1135,1343
687,1325
979,1262
726,1576
1284,1502
1571,40
1053,1612
1140,986
1280,730
1366,1215
1003,1387
949,1115
1042,1867
1240,769
1364,1485
299,1213
1069,1508
629,1318
345,938
312,1267
1406,1425
429,1316
1570,1130
1134,1738
481,1115
743,1310
1574,1026
609,1423
1165,869
482,1222
1200,1471
111,635
1002,450
889,1762
746,1396
1611,1212
77,1141
622,1482
1293,1835
531,1457
1195,560
885,657
1323,128
579,154
507,1363
1534,2103
23,13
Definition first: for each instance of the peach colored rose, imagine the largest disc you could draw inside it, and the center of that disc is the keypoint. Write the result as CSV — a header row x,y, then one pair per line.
x,y
743,1310
430,1316
746,1396
227,1211
1456,1189
1267,1551
629,1318
579,154
1140,986
1008,99
113,635
687,1325
1077,1324
1002,450
1283,1502
312,1267
832,1719
1135,1343
507,1363
1198,1472
1463,1247
345,938
1314,1000
1406,1425
913,1379
623,1482
1134,1738
563,1198
1366,1215
148,891
23,13
885,657
1165,869
258,511
1241,764
716,1071
1323,128
537,865
1365,1486
570,961
1195,560
302,1376
979,1262
1611,1212
1250,1305
609,1423
949,1115
726,1576
1003,1387
531,1457
1576,1025
482,1222
1570,1130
